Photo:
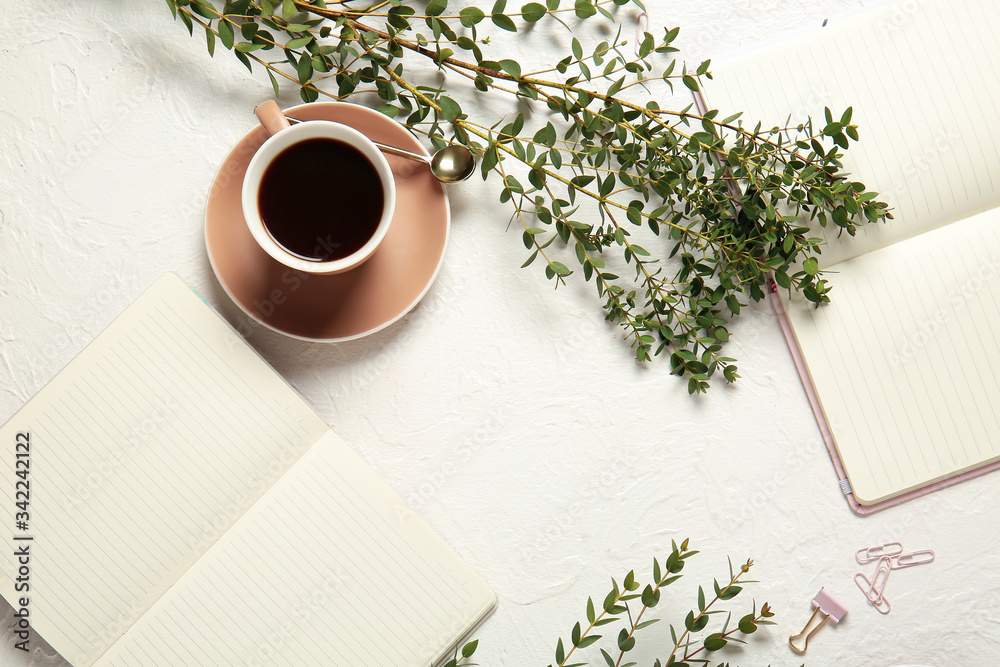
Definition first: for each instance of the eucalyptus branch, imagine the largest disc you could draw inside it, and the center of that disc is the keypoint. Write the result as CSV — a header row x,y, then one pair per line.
x,y
696,623
703,208
615,609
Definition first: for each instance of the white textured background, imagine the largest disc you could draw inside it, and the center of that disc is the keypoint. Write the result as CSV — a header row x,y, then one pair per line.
x,y
508,414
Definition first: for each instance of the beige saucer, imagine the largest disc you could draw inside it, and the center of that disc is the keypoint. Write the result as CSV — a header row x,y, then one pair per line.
x,y
347,305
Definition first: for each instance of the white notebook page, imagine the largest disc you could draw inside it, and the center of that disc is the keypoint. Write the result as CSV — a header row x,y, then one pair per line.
x,y
328,568
906,361
923,79
144,450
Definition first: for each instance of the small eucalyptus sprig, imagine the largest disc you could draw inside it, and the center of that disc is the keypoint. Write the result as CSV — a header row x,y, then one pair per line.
x,y
686,645
677,217
689,643
462,660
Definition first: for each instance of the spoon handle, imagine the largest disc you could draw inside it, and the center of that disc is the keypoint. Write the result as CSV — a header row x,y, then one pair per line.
x,y
383,147
400,152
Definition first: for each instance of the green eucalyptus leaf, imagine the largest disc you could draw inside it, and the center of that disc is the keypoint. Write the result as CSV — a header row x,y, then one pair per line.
x,y
449,108
504,22
298,42
714,641
585,9
436,7
470,16
304,70
242,57
730,592
490,159
226,35
545,136
210,37
511,67
308,94
204,10
533,12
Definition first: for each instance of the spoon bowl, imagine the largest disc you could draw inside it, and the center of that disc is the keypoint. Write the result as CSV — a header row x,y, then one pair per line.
x,y
453,163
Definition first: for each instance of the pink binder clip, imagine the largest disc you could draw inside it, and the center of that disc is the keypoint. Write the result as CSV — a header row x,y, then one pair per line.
x,y
826,605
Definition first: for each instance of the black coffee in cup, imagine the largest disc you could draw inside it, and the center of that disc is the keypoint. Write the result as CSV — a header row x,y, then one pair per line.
x,y
321,199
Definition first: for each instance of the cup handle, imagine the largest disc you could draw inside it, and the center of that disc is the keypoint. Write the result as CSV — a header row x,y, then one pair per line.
x,y
271,117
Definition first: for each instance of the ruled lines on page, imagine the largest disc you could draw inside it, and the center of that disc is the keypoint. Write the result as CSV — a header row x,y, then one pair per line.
x,y
924,82
328,568
905,360
145,449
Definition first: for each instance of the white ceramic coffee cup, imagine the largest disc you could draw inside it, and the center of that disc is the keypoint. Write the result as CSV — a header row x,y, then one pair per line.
x,y
284,135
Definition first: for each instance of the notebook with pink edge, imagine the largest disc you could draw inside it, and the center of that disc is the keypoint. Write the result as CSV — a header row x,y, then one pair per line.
x,y
824,427
901,368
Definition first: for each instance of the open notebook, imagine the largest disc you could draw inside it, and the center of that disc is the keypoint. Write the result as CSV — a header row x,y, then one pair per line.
x,y
187,507
903,361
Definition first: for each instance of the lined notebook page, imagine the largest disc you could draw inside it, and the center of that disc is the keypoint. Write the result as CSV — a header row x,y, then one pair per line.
x,y
328,568
923,79
906,361
144,450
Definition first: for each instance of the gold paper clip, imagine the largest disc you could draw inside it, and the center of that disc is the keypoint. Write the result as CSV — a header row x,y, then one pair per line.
x,y
829,608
